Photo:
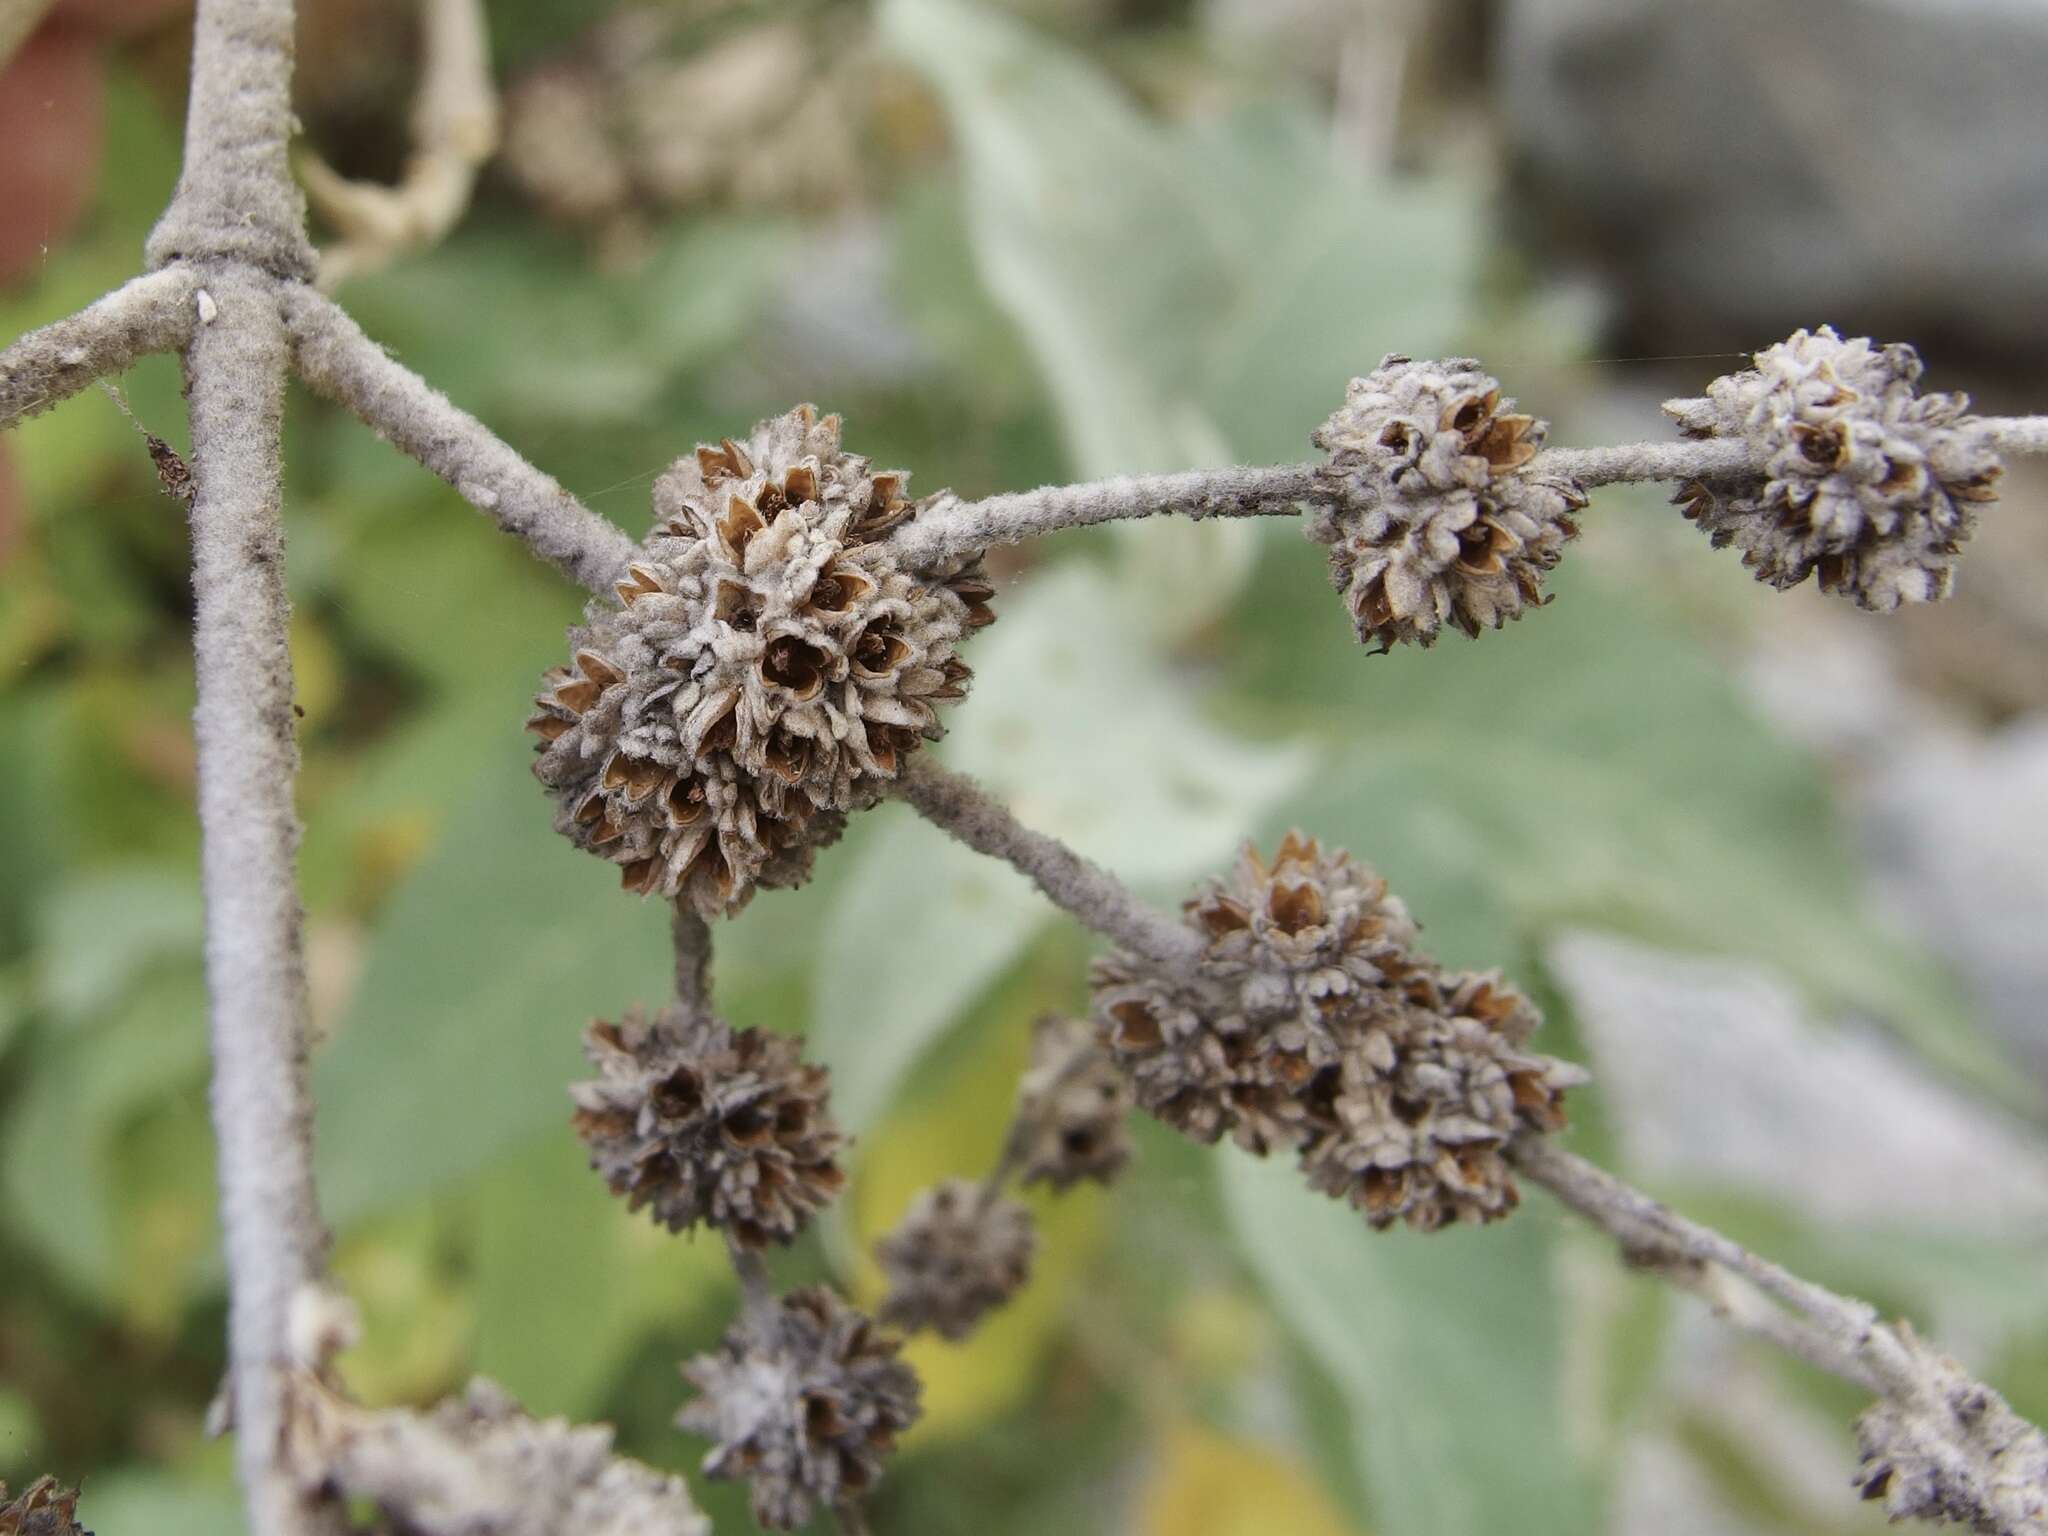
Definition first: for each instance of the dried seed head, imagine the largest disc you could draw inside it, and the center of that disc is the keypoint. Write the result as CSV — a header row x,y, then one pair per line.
x,y
767,670
707,1125
804,1398
954,1257
1912,1451
45,1508
478,1463
1435,518
1071,1108
1869,485
1311,1022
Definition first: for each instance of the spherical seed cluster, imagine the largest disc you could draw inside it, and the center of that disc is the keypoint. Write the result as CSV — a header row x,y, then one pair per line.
x,y
1434,517
707,1125
1071,1108
44,1509
1869,486
1913,1453
768,668
955,1257
804,1398
1309,1021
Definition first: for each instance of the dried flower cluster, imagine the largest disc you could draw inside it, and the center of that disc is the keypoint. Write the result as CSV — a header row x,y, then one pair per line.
x,y
1072,1105
621,128
1311,1022
959,1253
1434,517
479,1463
803,1397
1869,485
2000,1483
707,1125
44,1508
766,671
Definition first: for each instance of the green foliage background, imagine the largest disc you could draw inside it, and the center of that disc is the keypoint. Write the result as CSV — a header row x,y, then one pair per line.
x,y
1087,284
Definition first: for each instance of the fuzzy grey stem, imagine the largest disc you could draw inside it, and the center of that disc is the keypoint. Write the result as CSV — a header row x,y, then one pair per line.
x,y
693,962
757,1286
1703,459
956,804
954,530
2019,434
145,315
1647,1228
334,356
249,836
236,199
1954,1448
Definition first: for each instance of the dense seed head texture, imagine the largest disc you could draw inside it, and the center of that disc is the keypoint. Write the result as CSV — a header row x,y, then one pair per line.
x,y
1311,1022
1072,1107
1433,515
804,1398
958,1254
766,670
1869,486
708,1126
43,1508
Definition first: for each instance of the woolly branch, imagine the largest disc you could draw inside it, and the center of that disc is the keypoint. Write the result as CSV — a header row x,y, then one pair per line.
x,y
1938,1446
145,315
961,528
455,130
1096,898
334,356
956,530
693,961
249,835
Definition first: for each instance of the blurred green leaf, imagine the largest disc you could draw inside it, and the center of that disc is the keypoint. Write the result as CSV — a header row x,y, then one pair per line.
x,y
463,1032
60,1190
101,929
567,1280
1590,765
1088,736
1448,1347
132,1499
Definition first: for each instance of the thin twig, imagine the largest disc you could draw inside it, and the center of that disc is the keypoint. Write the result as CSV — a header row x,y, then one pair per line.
x,y
1972,1458
956,804
956,529
144,315
455,130
334,356
249,835
692,937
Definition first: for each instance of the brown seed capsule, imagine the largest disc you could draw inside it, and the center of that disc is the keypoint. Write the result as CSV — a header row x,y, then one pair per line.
x,y
44,1508
1072,1106
955,1257
1311,1022
1868,486
804,1398
705,1125
767,669
1434,517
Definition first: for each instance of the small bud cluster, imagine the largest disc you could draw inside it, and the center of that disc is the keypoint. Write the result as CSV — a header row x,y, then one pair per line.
x,y
1909,1454
1310,1022
961,1252
1433,516
1071,1108
768,668
803,1398
1868,485
44,1508
480,1463
709,1126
